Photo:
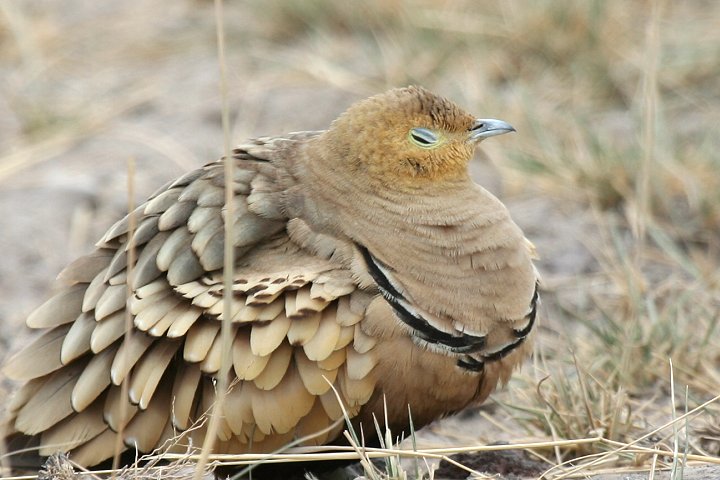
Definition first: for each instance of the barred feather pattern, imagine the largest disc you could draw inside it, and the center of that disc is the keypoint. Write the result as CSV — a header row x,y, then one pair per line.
x,y
294,318
345,298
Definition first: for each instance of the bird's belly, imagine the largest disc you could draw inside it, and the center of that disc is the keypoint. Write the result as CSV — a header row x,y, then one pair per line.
x,y
430,382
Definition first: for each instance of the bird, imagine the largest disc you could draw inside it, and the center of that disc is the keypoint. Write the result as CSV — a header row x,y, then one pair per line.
x,y
372,278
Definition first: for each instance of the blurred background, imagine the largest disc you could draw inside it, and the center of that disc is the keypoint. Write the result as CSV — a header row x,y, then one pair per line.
x,y
614,172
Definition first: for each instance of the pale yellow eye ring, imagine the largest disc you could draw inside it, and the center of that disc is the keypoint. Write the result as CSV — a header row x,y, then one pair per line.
x,y
424,137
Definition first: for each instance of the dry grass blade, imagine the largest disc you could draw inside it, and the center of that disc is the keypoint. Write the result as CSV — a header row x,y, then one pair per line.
x,y
649,124
228,257
621,447
59,467
95,120
319,454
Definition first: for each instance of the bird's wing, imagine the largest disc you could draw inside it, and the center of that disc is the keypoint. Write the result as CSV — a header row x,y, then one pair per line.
x,y
294,326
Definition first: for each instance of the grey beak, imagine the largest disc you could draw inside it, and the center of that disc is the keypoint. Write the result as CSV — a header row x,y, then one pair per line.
x,y
488,127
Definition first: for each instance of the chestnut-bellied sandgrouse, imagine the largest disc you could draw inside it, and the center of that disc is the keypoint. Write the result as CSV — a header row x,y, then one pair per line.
x,y
366,259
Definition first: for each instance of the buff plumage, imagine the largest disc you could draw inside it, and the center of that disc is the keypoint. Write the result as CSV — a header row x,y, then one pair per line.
x,y
366,259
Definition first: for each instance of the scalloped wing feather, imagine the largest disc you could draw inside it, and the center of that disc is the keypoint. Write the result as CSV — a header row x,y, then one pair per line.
x,y
291,315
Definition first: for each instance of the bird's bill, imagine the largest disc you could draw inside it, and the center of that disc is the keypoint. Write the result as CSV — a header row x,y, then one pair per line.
x,y
488,127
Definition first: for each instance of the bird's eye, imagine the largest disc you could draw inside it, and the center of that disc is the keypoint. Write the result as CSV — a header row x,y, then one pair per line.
x,y
423,137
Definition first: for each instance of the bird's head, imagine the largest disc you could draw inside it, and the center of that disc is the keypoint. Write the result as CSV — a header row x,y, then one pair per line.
x,y
408,134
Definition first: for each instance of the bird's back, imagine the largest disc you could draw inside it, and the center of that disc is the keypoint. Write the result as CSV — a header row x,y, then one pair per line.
x,y
294,321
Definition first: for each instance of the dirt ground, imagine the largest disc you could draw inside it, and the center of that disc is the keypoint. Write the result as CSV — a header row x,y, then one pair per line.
x,y
85,87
